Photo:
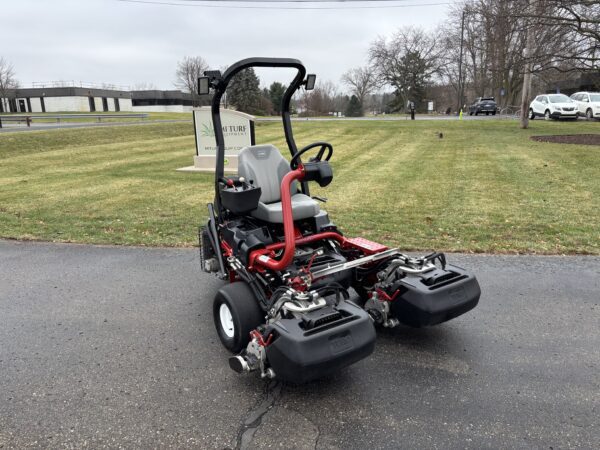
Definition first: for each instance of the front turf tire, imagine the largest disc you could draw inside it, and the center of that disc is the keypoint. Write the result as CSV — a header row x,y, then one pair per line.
x,y
236,313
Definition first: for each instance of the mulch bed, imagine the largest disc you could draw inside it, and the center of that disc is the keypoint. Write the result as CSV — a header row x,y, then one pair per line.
x,y
581,139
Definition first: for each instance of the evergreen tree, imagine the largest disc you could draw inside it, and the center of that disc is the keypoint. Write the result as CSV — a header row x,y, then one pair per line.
x,y
354,108
276,91
244,92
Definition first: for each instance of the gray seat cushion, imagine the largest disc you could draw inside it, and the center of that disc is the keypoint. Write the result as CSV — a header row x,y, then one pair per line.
x,y
265,167
303,207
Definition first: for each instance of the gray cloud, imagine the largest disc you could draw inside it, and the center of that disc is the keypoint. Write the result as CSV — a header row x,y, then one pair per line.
x,y
126,43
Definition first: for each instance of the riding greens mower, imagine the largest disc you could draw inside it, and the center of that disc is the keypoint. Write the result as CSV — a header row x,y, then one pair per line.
x,y
287,310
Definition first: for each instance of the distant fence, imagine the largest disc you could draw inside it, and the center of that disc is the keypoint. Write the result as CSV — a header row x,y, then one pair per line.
x,y
80,84
29,118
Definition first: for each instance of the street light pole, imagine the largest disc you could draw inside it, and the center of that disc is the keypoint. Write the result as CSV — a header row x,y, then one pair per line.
x,y
460,60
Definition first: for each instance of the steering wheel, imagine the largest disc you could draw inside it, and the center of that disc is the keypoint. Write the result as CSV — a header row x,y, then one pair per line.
x,y
324,146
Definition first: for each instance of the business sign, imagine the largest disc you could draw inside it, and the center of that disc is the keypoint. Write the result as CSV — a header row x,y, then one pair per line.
x,y
238,132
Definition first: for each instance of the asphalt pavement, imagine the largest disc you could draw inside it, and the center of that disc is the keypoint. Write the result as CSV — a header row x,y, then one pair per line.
x,y
115,347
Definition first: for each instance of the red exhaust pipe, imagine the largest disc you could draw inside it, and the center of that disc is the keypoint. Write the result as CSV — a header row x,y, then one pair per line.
x,y
288,225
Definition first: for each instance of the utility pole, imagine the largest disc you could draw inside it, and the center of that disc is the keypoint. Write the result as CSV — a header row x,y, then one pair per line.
x,y
460,60
527,53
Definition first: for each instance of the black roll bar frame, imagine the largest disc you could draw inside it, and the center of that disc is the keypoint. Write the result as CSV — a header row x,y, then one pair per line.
x,y
219,83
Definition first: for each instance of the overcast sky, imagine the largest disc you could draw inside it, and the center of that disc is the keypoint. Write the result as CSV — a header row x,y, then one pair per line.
x,y
110,41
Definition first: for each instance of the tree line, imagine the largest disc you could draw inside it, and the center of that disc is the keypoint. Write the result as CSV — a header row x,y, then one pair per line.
x,y
245,94
483,48
508,49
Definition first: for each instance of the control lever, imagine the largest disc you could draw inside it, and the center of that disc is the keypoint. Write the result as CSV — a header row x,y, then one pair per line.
x,y
321,199
231,182
237,183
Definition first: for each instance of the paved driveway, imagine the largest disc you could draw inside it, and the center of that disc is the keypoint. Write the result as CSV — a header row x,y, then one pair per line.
x,y
109,346
10,127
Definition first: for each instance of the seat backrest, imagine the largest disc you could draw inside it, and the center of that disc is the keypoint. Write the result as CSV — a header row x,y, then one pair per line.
x,y
264,165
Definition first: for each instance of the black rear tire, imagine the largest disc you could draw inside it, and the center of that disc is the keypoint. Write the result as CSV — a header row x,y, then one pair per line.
x,y
589,115
246,315
531,114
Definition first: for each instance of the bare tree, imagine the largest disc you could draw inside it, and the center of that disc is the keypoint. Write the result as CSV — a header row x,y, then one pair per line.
x,y
362,82
144,86
322,100
8,79
492,42
189,69
408,61
578,23
497,58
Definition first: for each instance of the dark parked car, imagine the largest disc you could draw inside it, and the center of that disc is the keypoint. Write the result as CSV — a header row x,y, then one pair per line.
x,y
485,105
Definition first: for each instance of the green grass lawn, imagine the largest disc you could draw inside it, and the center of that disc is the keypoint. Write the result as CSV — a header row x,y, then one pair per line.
x,y
484,187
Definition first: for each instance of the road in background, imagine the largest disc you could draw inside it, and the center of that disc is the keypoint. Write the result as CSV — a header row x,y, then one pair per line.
x,y
389,118
10,127
109,346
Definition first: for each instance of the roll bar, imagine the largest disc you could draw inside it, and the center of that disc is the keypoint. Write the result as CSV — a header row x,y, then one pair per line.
x,y
219,83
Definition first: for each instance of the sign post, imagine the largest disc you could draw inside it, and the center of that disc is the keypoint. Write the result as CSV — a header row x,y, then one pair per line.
x,y
238,130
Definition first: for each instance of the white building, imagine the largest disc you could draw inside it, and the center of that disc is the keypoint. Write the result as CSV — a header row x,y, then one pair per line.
x,y
162,101
80,99
65,99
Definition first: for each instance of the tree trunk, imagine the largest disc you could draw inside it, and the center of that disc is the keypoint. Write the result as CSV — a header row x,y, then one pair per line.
x,y
527,77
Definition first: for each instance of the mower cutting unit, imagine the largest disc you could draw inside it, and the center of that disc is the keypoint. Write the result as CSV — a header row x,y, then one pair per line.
x,y
287,311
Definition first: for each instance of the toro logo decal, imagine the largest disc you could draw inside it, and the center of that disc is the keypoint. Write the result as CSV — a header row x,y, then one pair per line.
x,y
341,342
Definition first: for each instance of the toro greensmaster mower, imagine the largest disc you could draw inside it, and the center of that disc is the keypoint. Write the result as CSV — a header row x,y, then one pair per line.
x,y
287,310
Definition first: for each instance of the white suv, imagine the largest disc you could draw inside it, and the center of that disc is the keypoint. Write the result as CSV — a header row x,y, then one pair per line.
x,y
553,106
588,104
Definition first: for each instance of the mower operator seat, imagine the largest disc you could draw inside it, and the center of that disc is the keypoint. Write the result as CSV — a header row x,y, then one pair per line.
x,y
264,166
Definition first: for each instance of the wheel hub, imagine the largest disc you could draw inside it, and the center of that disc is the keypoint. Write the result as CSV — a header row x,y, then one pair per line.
x,y
226,320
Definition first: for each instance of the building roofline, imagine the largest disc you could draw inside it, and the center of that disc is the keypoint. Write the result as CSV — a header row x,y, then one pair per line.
x,y
67,92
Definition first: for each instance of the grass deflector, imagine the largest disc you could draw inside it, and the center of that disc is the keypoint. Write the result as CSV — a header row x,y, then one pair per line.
x,y
286,311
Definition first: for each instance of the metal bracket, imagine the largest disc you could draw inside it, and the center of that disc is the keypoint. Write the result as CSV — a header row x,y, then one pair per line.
x,y
355,263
